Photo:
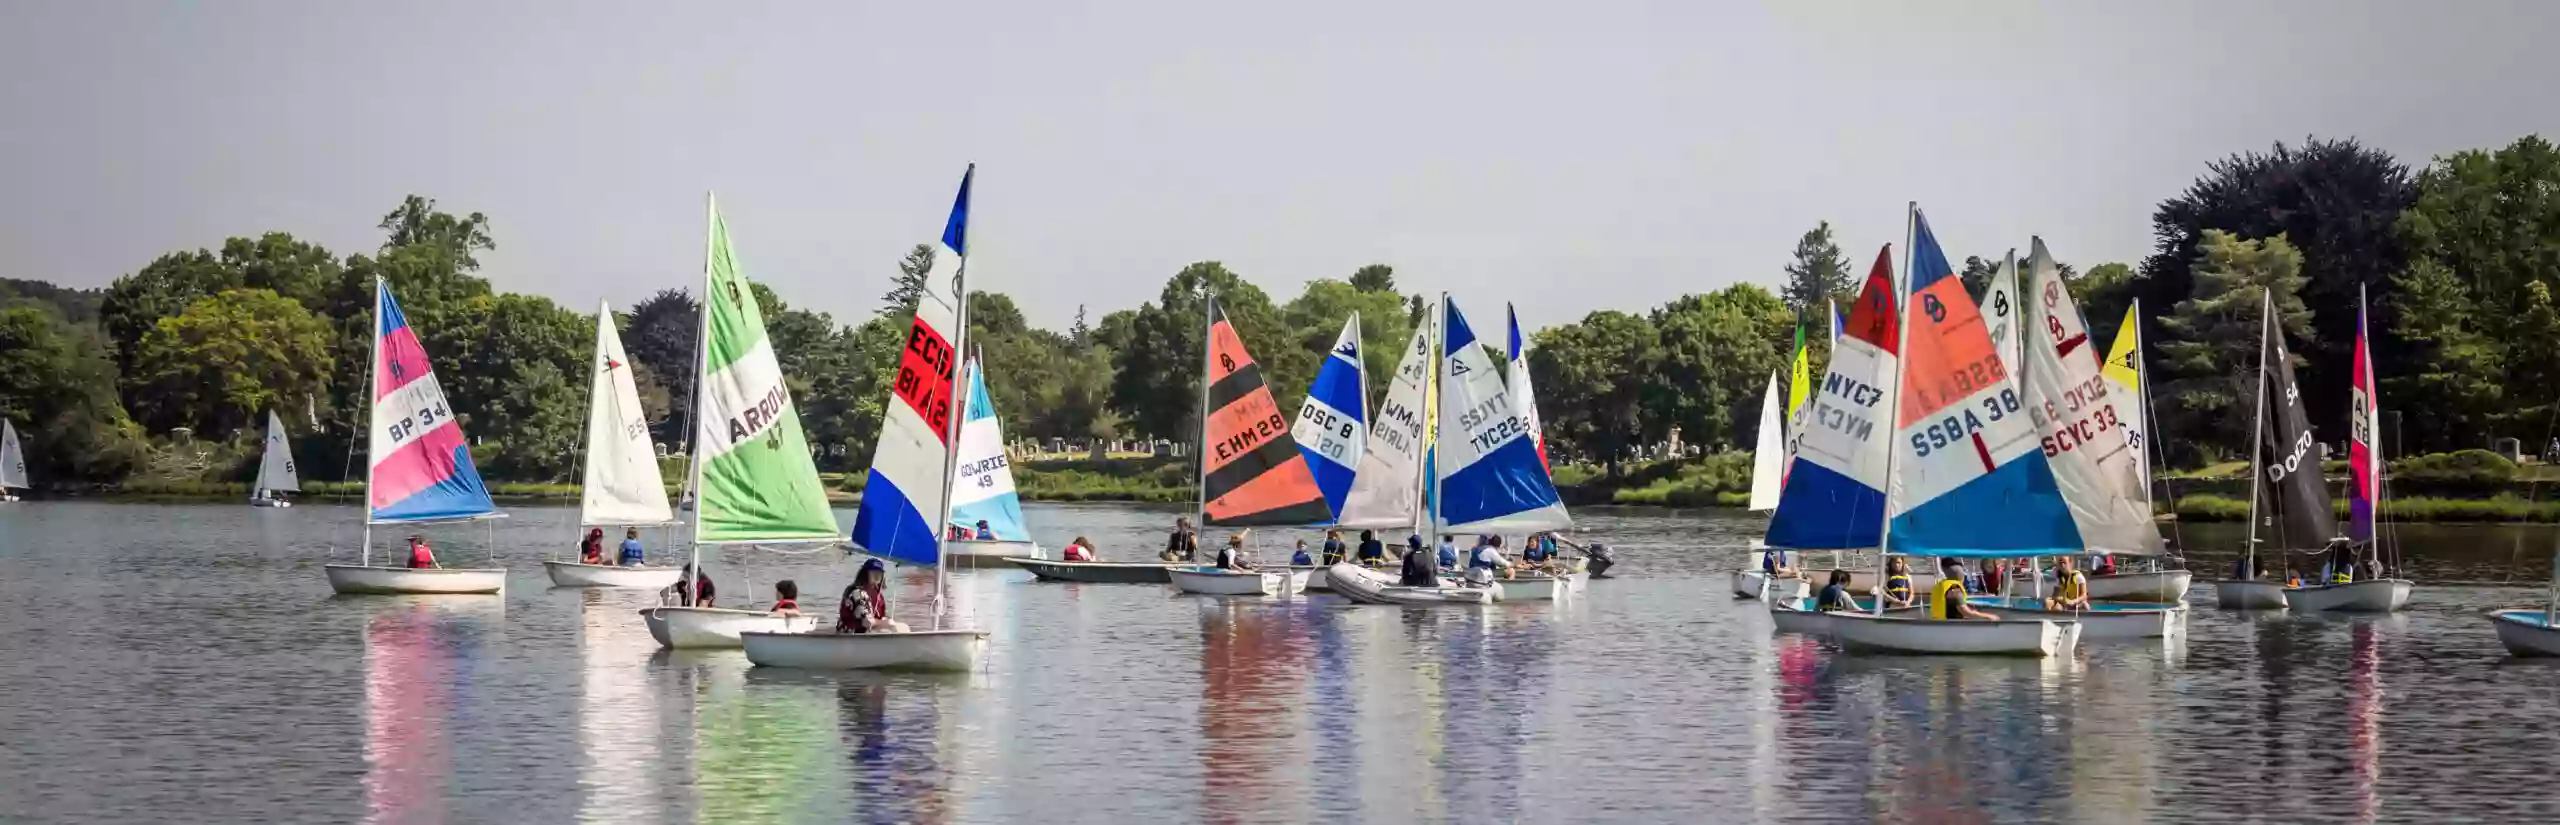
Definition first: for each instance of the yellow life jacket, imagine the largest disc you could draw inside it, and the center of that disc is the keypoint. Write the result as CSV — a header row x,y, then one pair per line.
x,y
1898,586
2340,577
1943,600
2070,586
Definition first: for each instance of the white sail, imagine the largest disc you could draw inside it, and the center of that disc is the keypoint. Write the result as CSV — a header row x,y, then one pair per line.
x,y
1387,491
13,462
275,471
1490,478
2078,416
982,480
1768,459
2000,313
622,482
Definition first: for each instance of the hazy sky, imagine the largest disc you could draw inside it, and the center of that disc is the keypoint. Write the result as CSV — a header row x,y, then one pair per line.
x,y
1564,156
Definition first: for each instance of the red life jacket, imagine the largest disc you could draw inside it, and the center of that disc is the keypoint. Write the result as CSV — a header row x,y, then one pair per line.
x,y
421,556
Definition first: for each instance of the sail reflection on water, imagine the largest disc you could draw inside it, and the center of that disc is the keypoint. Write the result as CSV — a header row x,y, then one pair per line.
x,y
618,713
1253,669
420,655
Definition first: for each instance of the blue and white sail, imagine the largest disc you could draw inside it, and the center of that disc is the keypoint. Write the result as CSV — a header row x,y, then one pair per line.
x,y
982,481
1970,477
1490,477
1385,492
1833,495
904,501
1523,397
1333,426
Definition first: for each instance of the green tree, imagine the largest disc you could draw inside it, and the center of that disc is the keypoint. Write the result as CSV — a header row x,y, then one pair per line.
x,y
417,222
2492,218
1374,278
221,364
1602,364
1712,362
2453,374
2104,294
58,385
515,369
1315,318
909,283
2209,359
659,336
1158,383
1817,276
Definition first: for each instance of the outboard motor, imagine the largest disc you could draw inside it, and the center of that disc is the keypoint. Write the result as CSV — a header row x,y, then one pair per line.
x,y
1601,560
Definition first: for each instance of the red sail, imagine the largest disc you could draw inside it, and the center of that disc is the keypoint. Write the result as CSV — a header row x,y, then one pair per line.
x,y
1255,473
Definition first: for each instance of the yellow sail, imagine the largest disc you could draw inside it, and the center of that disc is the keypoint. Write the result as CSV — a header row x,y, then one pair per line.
x,y
2124,358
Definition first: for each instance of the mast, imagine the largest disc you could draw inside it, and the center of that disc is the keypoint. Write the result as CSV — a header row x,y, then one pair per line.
x,y
693,408
1208,361
1893,408
1426,508
959,406
2150,435
2258,434
372,396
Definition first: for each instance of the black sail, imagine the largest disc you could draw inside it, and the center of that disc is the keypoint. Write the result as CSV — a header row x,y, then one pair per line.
x,y
2298,514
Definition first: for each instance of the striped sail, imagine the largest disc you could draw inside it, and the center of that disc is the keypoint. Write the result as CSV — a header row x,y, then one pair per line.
x,y
1524,399
903,501
1769,456
758,482
1251,470
419,468
1833,498
1383,493
2364,449
1333,426
275,467
2124,372
2078,415
982,481
1969,477
623,485
1490,477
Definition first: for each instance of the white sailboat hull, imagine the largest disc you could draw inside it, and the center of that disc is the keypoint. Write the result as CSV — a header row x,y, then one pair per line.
x,y
2249,595
1798,616
974,553
1963,637
693,628
1754,584
2526,632
361,579
1206,581
269,502
2155,586
573,574
1316,581
1372,587
2377,596
927,650
1542,587
2103,623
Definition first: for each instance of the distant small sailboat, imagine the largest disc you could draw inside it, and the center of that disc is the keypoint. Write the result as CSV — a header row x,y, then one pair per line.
x,y
622,486
751,472
2284,475
907,501
982,491
1768,469
1252,473
13,462
275,468
418,468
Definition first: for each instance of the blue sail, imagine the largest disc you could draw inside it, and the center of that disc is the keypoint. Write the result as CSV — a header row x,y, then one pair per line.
x,y
1834,494
1490,477
1333,426
982,481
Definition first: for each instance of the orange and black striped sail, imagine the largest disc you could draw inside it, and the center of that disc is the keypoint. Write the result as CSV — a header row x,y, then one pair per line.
x,y
1253,471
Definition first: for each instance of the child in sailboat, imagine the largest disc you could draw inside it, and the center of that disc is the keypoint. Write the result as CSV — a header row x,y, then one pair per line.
x,y
631,554
1233,557
1079,550
1372,552
865,605
1333,549
786,599
1485,560
591,551
421,557
1301,558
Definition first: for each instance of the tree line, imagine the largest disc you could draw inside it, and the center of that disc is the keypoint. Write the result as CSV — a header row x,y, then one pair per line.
x,y
2458,259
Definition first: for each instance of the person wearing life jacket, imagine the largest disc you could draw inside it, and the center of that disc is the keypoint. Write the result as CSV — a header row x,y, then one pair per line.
x,y
1486,560
1334,550
1448,552
865,605
1372,552
1949,602
1182,544
1079,550
1897,583
2342,564
1232,557
632,556
2070,588
2106,564
1420,569
1302,558
786,599
1835,595
985,532
421,557
700,594
591,551
1774,563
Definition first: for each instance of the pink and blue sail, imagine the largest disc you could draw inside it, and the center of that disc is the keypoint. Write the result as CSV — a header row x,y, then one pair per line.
x,y
903,503
420,466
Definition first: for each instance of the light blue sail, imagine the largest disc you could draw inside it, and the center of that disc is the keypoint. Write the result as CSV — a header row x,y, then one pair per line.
x,y
982,483
1333,426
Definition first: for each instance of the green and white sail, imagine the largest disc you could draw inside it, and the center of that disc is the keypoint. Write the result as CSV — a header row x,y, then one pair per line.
x,y
757,481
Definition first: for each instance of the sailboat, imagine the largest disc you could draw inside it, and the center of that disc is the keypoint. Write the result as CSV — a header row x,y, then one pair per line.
x,y
907,501
13,462
982,488
418,468
750,473
2285,487
1966,475
275,468
1333,428
622,485
1491,476
2124,370
2096,471
1386,494
1768,471
1252,473
2382,593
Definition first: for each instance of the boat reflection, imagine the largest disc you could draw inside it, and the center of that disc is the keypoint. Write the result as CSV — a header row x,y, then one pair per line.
x,y
422,659
618,712
1253,665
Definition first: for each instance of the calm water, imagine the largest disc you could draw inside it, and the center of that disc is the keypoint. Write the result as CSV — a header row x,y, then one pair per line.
x,y
189,662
